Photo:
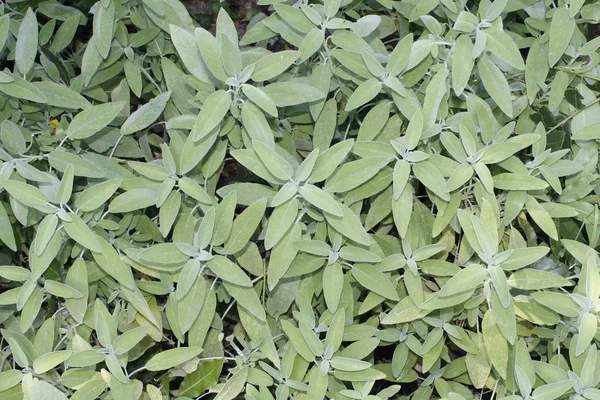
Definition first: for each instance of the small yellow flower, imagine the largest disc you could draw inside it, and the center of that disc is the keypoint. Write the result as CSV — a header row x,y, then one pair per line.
x,y
54,124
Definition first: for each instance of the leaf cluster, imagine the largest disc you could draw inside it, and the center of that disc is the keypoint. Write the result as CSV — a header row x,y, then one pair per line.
x,y
354,200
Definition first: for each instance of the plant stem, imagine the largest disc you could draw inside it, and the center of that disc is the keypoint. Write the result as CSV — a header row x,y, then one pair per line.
x,y
572,115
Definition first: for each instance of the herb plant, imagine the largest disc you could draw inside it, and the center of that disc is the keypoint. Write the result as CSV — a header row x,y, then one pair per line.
x,y
362,200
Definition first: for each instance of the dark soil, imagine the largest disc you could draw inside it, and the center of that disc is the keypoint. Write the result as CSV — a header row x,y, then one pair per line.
x,y
205,11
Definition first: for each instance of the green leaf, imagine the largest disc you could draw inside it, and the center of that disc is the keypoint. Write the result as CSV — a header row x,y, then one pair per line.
x,y
541,217
589,132
400,55
297,340
234,385
321,199
93,119
21,89
281,220
4,29
374,121
256,124
61,96
170,358
189,52
110,262
212,113
427,173
402,210
500,285
248,193
533,279
90,389
244,226
353,62
26,47
26,194
39,264
313,341
485,237
560,303
97,195
248,299
61,160
502,45
562,28
374,280
349,225
356,254
462,63
333,278
496,346
276,164
363,94
467,279
536,67
232,59
224,214
65,189
43,390
50,360
400,177
211,53
17,274
192,189
226,26
282,255
366,25
6,232
316,247
272,65
352,174
510,181
104,20
58,289
587,330
228,271
460,176
4,77
145,115
12,137
132,200
81,233
317,386
478,366
294,17
203,378
496,85
10,378
168,212
189,306
261,99
331,7
330,159
126,341
104,324
65,34
553,390
311,43
291,93
495,9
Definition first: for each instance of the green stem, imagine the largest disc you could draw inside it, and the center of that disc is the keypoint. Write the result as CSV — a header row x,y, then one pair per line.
x,y
568,71
112,153
570,117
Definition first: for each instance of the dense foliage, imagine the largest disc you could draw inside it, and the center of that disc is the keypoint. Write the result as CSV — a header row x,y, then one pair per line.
x,y
354,200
